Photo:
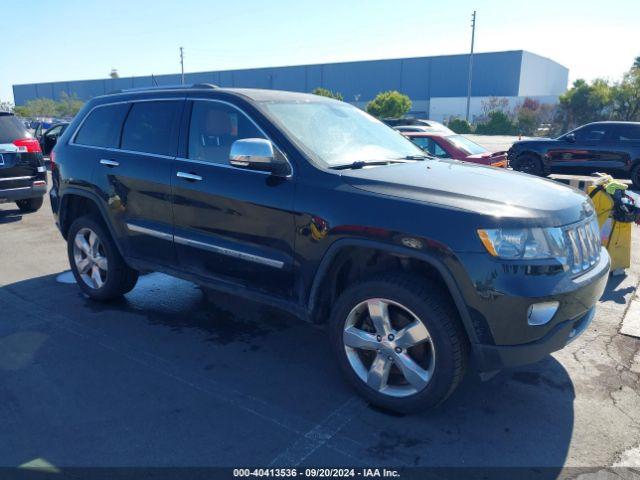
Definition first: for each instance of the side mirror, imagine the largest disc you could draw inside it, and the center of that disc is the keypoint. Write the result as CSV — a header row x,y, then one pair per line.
x,y
258,154
570,137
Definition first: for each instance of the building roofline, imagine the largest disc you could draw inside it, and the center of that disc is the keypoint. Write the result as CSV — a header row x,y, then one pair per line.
x,y
286,66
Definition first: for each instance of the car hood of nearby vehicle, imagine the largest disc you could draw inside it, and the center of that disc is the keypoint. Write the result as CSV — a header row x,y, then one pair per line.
x,y
534,141
494,192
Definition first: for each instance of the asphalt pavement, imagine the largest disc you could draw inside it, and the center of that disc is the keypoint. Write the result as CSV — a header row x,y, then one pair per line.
x,y
174,376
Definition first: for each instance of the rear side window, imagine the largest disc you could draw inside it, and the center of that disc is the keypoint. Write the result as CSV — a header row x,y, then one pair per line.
x,y
102,126
11,129
149,127
628,133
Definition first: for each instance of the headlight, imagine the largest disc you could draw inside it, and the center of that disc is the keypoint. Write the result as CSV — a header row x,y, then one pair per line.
x,y
525,243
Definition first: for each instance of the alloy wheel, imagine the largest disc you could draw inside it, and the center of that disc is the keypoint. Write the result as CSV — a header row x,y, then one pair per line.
x,y
90,259
389,347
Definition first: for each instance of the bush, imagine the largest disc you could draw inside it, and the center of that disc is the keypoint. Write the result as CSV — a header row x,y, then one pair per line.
x,y
391,104
324,92
497,124
459,126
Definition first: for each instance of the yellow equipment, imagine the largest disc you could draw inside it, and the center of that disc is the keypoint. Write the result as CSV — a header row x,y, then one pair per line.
x,y
615,232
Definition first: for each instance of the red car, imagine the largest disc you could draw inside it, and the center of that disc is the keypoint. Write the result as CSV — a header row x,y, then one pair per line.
x,y
456,146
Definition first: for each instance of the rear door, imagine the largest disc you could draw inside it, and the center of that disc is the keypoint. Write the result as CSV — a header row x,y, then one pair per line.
x,y
626,144
231,224
136,178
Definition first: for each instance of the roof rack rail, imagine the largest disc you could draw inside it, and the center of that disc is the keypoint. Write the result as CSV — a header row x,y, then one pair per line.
x,y
163,87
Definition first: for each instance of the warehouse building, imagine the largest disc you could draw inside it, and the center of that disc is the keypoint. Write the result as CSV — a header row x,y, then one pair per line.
x,y
436,85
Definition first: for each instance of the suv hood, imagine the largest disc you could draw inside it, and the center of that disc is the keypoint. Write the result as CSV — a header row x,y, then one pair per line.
x,y
484,190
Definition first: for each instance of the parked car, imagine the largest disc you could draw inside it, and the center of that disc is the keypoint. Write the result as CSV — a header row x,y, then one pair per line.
x,y
458,147
610,147
417,125
418,265
23,176
49,138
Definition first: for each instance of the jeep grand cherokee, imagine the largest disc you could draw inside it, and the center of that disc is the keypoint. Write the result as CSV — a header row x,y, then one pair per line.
x,y
418,265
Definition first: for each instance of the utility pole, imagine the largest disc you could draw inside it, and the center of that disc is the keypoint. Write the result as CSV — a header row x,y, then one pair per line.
x,y
182,65
473,36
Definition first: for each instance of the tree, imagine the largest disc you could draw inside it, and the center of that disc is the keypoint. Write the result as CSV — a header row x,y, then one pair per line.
x,y
68,105
459,125
6,106
626,95
323,92
494,104
39,107
584,103
498,123
391,104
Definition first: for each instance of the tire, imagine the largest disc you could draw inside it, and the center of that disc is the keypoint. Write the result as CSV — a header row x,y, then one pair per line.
x,y
529,163
30,205
635,176
442,358
99,269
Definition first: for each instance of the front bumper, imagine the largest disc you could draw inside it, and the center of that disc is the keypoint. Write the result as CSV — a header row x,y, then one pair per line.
x,y
499,310
22,193
497,357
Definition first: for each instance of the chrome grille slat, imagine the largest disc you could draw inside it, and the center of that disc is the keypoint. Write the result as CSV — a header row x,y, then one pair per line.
x,y
584,241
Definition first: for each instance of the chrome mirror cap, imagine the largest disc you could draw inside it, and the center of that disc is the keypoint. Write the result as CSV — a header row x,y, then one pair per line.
x,y
252,151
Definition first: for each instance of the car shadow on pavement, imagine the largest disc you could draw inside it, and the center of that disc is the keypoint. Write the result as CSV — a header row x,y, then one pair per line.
x,y
10,216
230,354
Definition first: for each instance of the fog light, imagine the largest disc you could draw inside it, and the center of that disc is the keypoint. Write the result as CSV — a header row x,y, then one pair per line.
x,y
541,313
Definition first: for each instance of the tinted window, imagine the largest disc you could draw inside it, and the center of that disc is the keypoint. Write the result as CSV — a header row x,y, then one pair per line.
x,y
11,129
149,128
102,126
591,133
214,127
628,133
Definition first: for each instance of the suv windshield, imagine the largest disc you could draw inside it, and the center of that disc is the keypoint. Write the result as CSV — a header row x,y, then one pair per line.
x,y
336,133
466,145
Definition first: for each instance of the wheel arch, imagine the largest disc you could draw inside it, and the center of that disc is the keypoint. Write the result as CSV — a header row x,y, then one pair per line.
x,y
338,254
77,202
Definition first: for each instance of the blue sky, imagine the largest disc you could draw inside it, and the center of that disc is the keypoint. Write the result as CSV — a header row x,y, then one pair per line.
x,y
47,40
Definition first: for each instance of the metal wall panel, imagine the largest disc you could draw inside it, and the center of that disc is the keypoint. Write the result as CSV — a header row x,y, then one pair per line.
x,y
502,74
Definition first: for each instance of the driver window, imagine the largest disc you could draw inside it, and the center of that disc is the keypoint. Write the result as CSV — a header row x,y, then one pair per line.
x,y
213,129
54,132
591,133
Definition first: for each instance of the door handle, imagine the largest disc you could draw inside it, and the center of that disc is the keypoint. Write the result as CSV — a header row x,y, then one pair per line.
x,y
189,176
109,163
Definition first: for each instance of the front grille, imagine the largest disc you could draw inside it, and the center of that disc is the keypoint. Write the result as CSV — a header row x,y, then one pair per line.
x,y
583,240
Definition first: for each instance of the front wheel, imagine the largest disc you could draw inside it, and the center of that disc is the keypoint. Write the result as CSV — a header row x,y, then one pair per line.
x,y
96,263
399,341
30,205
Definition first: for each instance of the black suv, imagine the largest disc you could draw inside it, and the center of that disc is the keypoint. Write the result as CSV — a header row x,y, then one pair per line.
x,y
610,147
309,204
23,175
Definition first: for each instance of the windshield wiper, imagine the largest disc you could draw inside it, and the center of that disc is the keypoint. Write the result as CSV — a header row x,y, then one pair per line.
x,y
364,163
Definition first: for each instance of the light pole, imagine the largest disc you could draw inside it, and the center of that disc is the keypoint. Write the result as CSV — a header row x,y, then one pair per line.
x,y
473,36
182,65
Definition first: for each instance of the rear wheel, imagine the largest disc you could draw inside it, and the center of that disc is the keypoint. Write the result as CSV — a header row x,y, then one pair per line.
x,y
399,342
96,263
30,204
528,163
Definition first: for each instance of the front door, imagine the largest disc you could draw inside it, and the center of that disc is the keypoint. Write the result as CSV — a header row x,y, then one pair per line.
x,y
591,151
231,225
